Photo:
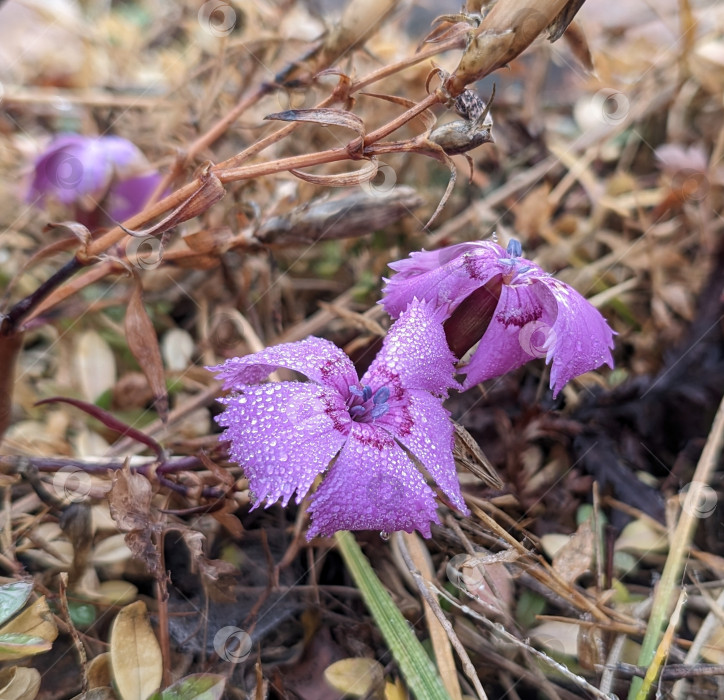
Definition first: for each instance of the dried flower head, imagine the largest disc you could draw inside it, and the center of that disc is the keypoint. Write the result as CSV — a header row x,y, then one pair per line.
x,y
366,435
527,313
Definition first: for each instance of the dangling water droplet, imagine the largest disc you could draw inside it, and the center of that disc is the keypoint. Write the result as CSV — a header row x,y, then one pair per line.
x,y
384,536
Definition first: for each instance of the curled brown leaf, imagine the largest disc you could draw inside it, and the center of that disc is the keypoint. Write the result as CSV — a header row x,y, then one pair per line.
x,y
143,344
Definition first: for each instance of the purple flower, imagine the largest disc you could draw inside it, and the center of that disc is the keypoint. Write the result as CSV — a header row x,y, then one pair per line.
x,y
75,167
367,434
531,314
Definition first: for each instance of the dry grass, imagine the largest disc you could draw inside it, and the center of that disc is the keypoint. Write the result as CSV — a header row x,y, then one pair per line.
x,y
611,179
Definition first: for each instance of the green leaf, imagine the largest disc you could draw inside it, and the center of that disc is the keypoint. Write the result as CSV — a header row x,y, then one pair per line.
x,y
200,686
83,615
419,671
12,598
15,646
529,606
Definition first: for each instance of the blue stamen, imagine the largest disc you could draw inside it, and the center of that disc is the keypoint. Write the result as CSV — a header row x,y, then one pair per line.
x,y
383,393
514,249
357,411
366,392
379,410
356,391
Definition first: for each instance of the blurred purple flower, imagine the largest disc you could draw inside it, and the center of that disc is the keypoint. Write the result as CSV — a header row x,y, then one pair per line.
x,y
371,431
530,313
74,167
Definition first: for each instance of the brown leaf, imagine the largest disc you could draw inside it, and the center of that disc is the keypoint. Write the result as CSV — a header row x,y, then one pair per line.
x,y
328,117
143,343
95,364
355,213
562,22
211,569
225,516
441,646
575,557
116,592
97,694
468,454
129,501
10,346
578,44
18,683
72,227
98,671
209,192
135,653
491,584
223,475
364,174
357,677
36,621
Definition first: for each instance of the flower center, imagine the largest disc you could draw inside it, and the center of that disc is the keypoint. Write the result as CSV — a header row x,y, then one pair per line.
x,y
514,251
364,406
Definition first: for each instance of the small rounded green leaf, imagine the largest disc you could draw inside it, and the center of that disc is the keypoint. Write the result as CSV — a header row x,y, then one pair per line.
x,y
200,686
16,646
12,597
82,614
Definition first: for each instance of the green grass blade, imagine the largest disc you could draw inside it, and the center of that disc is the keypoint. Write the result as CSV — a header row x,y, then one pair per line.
x,y
419,671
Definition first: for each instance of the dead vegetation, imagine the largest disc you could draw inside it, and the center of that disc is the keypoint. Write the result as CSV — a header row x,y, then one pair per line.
x,y
118,497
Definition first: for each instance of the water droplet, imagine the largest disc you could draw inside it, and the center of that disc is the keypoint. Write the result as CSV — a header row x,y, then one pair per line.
x,y
384,536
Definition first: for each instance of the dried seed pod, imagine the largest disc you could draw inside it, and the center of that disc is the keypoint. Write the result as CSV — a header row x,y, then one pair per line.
x,y
459,137
474,129
505,32
356,214
469,105
469,455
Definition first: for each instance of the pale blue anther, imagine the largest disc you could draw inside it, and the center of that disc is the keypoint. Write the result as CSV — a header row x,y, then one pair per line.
x,y
357,411
381,396
366,392
379,410
356,391
514,249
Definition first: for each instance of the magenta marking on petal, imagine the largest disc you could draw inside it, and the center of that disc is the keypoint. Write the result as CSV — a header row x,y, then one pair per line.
x,y
406,425
331,410
470,267
369,488
378,439
385,377
519,316
330,368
